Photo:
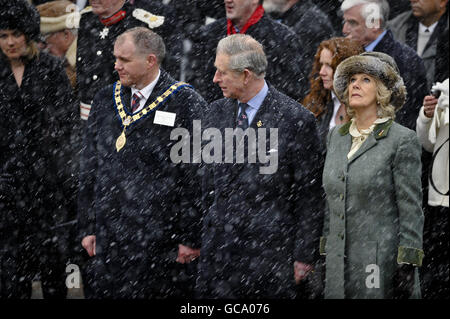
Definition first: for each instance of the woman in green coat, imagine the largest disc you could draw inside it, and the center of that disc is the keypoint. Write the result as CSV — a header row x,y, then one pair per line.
x,y
373,228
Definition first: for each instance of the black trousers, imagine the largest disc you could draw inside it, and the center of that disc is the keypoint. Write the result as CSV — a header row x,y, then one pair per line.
x,y
19,266
47,260
436,245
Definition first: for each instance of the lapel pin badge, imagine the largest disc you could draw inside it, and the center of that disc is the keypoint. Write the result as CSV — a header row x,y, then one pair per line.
x,y
259,124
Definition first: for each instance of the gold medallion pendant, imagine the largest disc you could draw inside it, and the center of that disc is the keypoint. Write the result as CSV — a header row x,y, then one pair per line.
x,y
120,142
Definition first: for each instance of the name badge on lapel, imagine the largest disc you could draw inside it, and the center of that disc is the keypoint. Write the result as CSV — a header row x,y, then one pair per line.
x,y
164,118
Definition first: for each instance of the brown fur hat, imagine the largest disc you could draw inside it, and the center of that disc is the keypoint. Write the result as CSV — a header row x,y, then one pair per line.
x,y
376,64
57,16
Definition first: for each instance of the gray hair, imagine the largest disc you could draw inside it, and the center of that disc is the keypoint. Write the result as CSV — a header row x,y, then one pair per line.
x,y
146,42
245,53
382,5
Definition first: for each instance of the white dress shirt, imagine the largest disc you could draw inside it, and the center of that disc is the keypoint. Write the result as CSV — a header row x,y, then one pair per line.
x,y
336,106
424,36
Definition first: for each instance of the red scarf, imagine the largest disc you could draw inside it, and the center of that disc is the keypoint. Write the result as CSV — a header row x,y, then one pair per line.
x,y
116,17
256,16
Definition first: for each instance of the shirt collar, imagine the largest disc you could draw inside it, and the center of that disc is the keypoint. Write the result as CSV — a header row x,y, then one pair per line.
x,y
333,96
422,28
147,91
256,101
353,130
370,47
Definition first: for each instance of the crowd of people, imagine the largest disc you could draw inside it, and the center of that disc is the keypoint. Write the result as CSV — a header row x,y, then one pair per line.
x,y
112,155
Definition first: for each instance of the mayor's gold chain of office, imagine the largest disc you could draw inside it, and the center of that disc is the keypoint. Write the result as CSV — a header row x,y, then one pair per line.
x,y
127,120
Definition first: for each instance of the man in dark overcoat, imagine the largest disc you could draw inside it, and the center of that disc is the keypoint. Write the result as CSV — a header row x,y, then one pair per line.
x,y
262,217
284,51
364,23
144,203
100,24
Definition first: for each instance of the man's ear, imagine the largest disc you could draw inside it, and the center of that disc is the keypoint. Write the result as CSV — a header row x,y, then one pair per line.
x,y
68,36
151,60
247,76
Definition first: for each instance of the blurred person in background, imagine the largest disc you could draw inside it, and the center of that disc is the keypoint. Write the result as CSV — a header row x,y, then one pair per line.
x,y
307,20
366,22
423,29
433,132
59,24
282,46
37,97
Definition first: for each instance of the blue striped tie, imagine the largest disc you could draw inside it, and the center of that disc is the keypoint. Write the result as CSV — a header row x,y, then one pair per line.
x,y
242,120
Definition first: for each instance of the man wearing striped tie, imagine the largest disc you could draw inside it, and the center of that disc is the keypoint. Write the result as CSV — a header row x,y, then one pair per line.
x,y
144,204
261,227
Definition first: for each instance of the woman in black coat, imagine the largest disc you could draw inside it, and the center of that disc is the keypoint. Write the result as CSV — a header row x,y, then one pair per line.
x,y
35,108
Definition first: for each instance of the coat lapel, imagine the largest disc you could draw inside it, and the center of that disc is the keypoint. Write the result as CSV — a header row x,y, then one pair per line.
x,y
126,99
227,119
412,33
440,28
267,115
380,131
367,145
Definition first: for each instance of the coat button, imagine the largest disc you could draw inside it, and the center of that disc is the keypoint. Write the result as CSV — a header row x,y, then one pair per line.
x,y
341,236
95,77
99,52
341,216
341,196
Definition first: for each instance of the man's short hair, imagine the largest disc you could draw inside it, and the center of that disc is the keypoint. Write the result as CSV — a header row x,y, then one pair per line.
x,y
382,5
245,53
146,42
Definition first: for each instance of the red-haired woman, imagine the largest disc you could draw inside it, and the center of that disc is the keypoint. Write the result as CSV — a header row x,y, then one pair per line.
x,y
321,100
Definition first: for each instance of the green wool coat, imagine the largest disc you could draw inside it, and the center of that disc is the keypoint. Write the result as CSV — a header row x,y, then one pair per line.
x,y
374,219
